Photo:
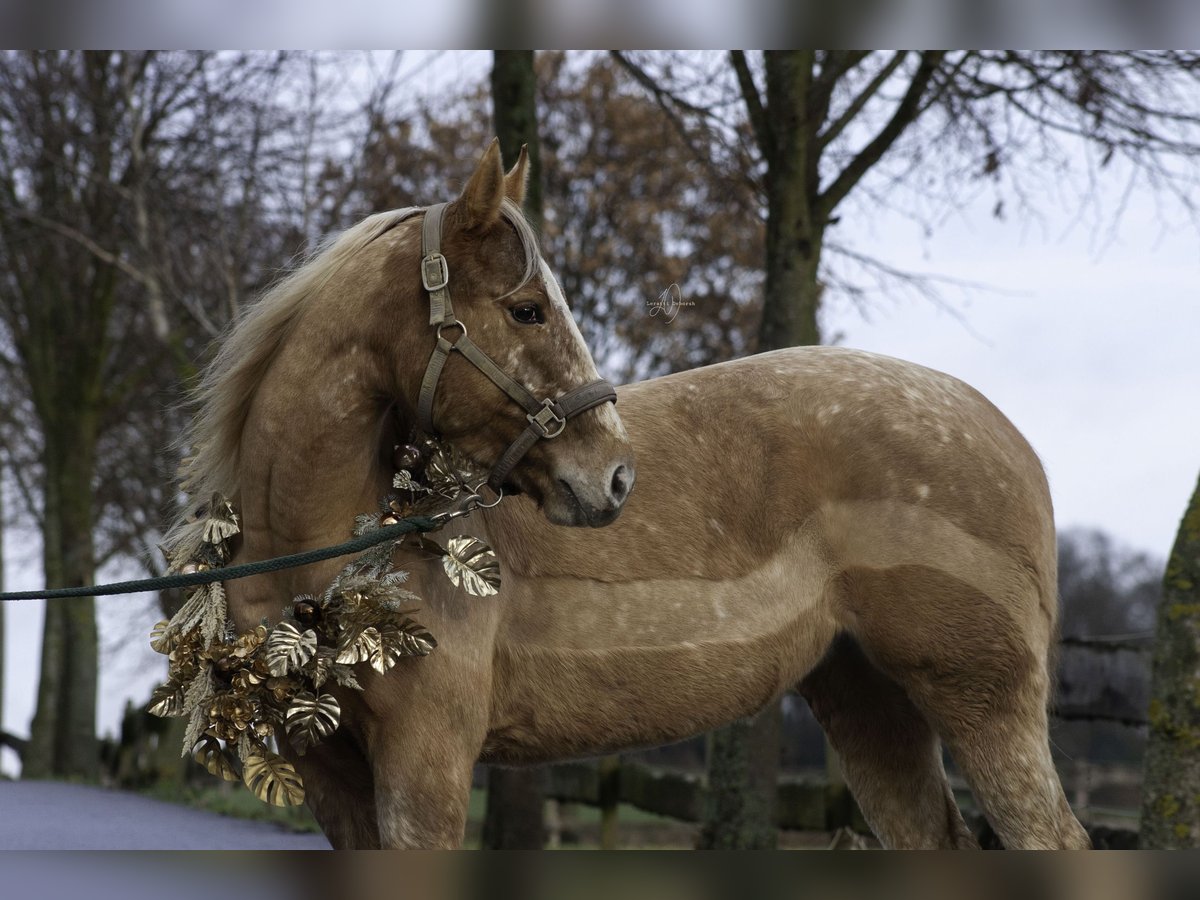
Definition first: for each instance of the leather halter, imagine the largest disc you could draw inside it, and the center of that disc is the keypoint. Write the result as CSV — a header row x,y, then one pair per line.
x,y
547,418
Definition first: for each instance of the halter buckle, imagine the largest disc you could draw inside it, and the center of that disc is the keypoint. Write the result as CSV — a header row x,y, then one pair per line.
x,y
435,273
542,420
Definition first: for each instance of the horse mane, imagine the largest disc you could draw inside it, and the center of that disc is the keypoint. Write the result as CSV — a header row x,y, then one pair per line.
x,y
225,391
226,388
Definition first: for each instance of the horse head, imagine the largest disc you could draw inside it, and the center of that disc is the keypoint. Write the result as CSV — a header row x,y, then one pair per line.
x,y
522,368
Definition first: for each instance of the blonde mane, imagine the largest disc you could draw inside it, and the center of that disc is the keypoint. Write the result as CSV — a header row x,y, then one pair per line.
x,y
226,389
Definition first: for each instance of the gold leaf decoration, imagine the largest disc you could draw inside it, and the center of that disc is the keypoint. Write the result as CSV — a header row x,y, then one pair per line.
x,y
212,624
210,754
444,476
163,638
311,719
192,612
186,550
391,642
168,700
221,522
197,722
358,646
288,648
382,656
344,676
272,779
472,563
319,669
407,638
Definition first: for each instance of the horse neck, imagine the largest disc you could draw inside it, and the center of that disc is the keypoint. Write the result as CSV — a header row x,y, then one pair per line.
x,y
310,463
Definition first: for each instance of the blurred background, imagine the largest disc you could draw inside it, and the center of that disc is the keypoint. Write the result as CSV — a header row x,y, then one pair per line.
x,y
1023,220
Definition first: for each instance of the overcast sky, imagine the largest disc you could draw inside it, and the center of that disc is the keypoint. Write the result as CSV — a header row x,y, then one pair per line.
x,y
1090,344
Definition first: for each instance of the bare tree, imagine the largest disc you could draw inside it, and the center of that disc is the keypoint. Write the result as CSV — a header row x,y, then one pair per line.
x,y
120,175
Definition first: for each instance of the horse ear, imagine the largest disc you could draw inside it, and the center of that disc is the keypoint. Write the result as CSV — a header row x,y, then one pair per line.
x,y
481,198
517,178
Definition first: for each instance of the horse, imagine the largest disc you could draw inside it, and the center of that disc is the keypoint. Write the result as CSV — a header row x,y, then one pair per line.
x,y
871,531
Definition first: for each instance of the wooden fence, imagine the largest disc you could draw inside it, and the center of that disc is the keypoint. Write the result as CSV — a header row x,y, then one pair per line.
x,y
803,804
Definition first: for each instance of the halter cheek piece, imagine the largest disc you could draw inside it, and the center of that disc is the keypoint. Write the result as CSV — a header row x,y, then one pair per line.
x,y
547,418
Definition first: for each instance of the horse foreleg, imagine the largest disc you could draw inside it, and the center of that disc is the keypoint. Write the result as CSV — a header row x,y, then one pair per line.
x,y
339,791
422,786
427,724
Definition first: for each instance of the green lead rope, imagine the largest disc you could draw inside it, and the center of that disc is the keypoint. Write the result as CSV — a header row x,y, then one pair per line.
x,y
228,573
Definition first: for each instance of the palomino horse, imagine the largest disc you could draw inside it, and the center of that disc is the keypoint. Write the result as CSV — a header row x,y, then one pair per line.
x,y
873,531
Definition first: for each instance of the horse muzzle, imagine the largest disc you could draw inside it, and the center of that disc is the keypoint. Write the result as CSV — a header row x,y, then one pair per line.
x,y
588,499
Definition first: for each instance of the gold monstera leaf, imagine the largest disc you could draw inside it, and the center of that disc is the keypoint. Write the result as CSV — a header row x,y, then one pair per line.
x,y
407,638
210,754
288,648
272,779
445,472
473,564
357,645
319,668
312,719
169,699
391,642
163,638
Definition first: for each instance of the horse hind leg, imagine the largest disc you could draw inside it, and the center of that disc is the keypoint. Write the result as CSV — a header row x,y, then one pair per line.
x,y
1005,756
978,672
889,754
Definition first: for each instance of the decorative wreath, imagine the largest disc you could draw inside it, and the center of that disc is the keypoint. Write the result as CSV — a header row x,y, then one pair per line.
x,y
242,693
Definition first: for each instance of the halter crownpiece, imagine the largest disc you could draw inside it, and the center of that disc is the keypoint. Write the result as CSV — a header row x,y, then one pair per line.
x,y
547,418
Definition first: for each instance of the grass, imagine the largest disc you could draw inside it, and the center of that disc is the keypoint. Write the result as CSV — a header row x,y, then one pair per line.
x,y
230,799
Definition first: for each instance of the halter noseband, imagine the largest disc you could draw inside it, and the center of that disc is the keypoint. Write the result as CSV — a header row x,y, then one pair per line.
x,y
547,418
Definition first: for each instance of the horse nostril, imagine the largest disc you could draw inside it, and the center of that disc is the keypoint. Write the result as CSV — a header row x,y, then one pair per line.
x,y
622,480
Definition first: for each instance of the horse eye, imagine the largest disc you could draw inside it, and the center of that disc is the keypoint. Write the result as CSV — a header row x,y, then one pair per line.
x,y
528,314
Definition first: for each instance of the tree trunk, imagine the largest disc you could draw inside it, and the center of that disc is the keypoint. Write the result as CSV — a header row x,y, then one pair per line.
x,y
63,733
610,801
743,766
516,797
513,820
1171,786
41,756
791,294
514,114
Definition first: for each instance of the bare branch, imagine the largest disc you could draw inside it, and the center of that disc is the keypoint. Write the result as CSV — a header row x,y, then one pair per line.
x,y
672,105
74,234
851,112
754,104
665,99
901,118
